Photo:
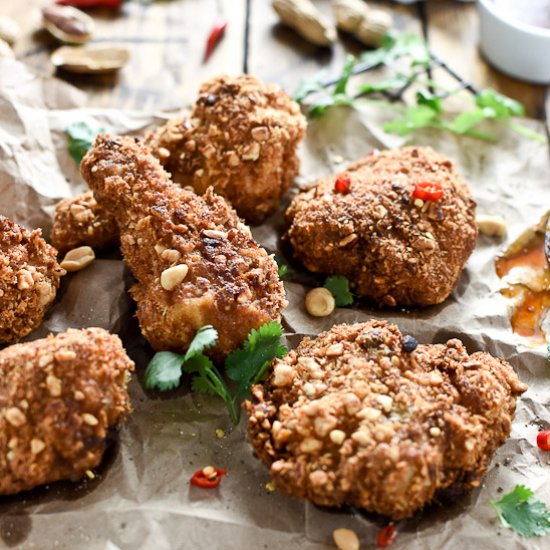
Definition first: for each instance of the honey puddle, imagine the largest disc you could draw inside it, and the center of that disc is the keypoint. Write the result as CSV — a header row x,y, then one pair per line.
x,y
525,271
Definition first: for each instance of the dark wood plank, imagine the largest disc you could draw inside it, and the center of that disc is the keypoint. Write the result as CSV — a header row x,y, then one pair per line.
x,y
166,40
278,54
453,32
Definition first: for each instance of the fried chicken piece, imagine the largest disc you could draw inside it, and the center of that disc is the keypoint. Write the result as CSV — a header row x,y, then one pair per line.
x,y
353,418
59,396
80,221
241,139
29,279
393,248
195,262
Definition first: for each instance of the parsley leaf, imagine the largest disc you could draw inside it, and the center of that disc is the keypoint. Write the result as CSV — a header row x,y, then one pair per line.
x,y
518,510
339,287
347,71
81,136
247,365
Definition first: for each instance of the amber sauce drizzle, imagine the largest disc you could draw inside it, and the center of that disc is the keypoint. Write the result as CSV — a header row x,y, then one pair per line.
x,y
528,283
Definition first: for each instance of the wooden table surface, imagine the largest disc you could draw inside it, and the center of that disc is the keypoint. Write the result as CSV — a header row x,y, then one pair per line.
x,y
167,37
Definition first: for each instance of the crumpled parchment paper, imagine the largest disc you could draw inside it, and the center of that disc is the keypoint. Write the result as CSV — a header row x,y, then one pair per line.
x,y
141,498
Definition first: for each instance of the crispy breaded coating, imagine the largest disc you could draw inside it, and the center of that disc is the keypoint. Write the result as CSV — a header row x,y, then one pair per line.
x,y
29,279
393,248
352,418
80,221
241,139
195,262
59,396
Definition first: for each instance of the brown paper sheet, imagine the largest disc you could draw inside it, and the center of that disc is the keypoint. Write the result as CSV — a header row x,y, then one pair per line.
x,y
141,498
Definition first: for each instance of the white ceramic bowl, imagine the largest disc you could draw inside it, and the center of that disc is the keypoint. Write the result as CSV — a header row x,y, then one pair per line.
x,y
514,47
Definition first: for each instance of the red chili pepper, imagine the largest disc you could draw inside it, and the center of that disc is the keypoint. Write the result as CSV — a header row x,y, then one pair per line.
x,y
342,184
543,440
216,33
385,537
206,479
427,191
110,4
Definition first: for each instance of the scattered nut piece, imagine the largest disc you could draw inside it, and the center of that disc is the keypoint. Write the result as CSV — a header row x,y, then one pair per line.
x,y
90,419
9,30
78,258
367,24
349,14
306,20
170,278
68,24
5,50
491,226
270,487
346,539
37,446
96,59
337,436
373,29
282,375
15,417
320,302
54,385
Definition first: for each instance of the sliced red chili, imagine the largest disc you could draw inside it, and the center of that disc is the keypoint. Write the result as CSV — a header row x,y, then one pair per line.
x,y
215,35
206,479
543,440
110,4
427,191
342,184
385,536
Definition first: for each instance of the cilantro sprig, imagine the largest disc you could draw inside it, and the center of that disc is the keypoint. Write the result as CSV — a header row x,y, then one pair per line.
x,y
81,136
339,288
427,110
244,366
520,511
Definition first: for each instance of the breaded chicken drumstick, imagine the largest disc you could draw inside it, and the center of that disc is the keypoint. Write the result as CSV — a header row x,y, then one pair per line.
x,y
59,396
29,279
195,262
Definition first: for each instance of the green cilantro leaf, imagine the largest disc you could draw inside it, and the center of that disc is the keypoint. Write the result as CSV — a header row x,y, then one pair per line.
x,y
247,365
518,510
498,105
347,71
284,269
309,86
164,371
339,287
81,136
206,337
419,116
427,98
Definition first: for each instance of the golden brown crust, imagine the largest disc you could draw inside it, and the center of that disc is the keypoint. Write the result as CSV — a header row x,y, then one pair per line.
x,y
351,418
231,282
391,249
58,397
241,139
80,221
29,279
